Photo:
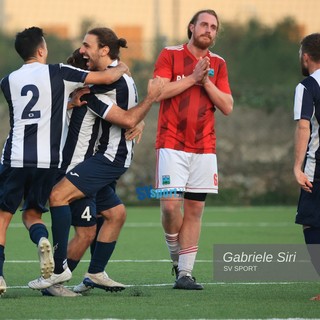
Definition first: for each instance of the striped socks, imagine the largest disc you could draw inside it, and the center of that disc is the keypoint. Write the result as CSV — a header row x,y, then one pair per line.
x,y
172,241
187,258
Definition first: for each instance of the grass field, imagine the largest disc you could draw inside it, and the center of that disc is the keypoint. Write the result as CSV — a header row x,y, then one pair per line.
x,y
141,261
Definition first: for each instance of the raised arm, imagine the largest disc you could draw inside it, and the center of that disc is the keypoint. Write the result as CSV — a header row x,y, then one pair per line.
x,y
130,118
107,76
126,119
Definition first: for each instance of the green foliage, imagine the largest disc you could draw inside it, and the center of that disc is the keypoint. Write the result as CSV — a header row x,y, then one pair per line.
x,y
263,62
10,60
59,49
142,72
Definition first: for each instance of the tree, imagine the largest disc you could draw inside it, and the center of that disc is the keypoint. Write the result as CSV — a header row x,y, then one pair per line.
x,y
262,62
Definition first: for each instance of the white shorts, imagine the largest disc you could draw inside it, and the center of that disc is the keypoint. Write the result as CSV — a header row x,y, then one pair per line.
x,y
185,171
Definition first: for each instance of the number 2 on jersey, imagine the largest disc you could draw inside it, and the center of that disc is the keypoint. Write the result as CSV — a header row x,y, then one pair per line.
x,y
27,112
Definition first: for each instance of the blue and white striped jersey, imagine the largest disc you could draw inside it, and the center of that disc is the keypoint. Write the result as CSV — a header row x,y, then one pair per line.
x,y
37,96
307,106
112,142
82,137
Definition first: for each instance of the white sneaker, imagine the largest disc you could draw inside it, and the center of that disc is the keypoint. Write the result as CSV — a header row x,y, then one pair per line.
x,y
46,258
81,288
58,290
42,283
3,286
102,281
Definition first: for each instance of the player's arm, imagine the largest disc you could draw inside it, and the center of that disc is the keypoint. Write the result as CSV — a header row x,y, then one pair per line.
x,y
223,101
107,76
126,119
173,88
302,136
130,118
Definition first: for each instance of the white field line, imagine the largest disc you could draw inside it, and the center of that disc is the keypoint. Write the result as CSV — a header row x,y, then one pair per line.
x,y
156,285
204,283
159,284
111,261
204,224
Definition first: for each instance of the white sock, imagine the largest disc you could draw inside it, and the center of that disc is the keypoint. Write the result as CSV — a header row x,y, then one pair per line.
x,y
187,258
172,241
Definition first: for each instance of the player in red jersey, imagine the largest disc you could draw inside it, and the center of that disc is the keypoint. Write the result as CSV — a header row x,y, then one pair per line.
x,y
196,84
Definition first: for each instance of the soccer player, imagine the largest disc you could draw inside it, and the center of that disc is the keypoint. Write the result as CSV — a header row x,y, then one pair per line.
x,y
37,96
112,159
83,133
307,157
196,85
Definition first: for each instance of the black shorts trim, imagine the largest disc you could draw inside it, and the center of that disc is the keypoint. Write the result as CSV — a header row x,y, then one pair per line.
x,y
195,196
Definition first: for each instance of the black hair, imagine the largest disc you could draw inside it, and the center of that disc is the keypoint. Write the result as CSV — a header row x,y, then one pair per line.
x,y
311,45
77,60
28,41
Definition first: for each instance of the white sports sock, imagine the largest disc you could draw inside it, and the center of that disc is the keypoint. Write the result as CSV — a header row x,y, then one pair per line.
x,y
187,258
172,241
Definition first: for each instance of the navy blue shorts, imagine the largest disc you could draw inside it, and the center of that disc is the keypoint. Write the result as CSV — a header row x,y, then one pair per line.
x,y
84,213
32,185
93,174
308,212
107,198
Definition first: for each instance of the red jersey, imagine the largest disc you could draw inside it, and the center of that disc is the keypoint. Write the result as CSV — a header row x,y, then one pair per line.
x,y
186,121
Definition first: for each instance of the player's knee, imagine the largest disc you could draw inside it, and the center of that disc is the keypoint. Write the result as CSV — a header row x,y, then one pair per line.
x,y
55,198
86,234
63,193
58,197
116,215
169,208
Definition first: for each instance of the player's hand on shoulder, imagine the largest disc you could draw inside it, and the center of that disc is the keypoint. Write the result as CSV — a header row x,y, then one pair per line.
x,y
124,68
75,98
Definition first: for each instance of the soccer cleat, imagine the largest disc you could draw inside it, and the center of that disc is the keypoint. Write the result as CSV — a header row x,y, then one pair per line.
x,y
3,286
42,283
102,281
316,298
81,288
175,271
187,283
58,290
45,257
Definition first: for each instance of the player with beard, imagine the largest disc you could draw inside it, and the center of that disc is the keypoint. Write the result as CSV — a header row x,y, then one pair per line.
x,y
307,157
97,175
196,84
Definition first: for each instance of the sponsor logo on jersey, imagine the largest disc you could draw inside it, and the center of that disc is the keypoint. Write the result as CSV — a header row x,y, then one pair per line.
x,y
165,180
